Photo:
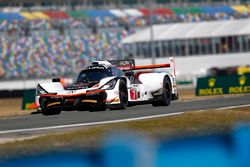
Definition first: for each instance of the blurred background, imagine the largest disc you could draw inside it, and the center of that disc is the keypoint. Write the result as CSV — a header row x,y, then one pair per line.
x,y
44,39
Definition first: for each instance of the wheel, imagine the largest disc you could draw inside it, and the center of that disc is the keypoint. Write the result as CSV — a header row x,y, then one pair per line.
x,y
101,106
123,95
166,97
51,112
44,110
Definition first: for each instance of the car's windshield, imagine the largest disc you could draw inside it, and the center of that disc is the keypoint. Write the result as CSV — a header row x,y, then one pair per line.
x,y
93,76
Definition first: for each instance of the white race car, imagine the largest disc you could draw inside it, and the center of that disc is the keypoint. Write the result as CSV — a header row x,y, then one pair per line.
x,y
110,84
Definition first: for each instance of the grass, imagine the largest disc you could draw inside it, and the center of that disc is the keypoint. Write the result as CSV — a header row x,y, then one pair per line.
x,y
187,124
12,107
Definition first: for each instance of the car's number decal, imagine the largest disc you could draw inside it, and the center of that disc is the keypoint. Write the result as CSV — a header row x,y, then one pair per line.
x,y
71,91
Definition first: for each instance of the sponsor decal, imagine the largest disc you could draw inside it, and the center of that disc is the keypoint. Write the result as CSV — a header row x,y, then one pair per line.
x,y
96,68
211,91
242,80
239,89
71,91
219,85
133,94
211,82
125,67
242,88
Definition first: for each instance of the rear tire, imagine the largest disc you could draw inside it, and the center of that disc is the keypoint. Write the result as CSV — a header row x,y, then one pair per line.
x,y
123,96
166,97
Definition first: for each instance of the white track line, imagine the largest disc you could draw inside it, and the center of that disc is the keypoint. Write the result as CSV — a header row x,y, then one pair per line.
x,y
88,124
225,108
108,122
232,107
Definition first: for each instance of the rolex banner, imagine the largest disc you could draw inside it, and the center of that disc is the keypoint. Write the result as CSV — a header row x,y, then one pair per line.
x,y
233,84
28,99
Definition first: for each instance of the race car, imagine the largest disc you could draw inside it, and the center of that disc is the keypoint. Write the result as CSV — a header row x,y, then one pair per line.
x,y
113,84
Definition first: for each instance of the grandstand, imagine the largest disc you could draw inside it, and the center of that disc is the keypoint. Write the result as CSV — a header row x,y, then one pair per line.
x,y
108,3
43,39
185,39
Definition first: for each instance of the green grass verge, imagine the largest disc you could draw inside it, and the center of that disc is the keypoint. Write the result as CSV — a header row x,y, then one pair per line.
x,y
187,124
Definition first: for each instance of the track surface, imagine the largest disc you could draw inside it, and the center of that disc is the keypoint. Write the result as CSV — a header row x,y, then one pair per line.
x,y
78,117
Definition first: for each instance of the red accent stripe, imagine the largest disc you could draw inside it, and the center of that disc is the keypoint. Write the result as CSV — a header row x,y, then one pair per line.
x,y
111,100
72,95
174,67
151,66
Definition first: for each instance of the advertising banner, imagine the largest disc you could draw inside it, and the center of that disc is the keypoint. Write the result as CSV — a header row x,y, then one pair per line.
x,y
28,99
219,85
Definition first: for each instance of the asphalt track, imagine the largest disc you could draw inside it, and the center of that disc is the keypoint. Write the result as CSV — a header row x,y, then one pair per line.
x,y
30,124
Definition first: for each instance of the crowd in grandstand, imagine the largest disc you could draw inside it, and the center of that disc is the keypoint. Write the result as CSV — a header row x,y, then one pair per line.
x,y
50,54
30,45
29,20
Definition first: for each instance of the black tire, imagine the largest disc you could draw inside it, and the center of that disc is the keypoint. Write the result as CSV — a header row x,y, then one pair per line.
x,y
44,110
123,95
166,97
51,112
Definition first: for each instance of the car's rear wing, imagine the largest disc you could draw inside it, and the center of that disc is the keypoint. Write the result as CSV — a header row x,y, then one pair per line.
x,y
124,65
153,66
129,65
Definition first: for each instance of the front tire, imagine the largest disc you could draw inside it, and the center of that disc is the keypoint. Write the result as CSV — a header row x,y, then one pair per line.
x,y
166,97
123,96
45,111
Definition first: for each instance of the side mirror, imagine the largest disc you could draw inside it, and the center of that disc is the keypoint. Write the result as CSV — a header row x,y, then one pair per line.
x,y
56,80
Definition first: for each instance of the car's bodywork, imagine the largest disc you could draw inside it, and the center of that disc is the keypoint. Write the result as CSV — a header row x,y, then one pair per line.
x,y
109,84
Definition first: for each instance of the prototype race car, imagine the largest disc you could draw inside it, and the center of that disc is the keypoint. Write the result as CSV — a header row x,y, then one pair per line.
x,y
109,84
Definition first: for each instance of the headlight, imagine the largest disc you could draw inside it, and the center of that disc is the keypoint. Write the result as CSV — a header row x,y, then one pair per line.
x,y
40,90
109,85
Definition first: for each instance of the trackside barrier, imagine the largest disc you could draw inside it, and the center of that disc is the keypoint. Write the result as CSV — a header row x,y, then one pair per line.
x,y
28,99
129,150
231,84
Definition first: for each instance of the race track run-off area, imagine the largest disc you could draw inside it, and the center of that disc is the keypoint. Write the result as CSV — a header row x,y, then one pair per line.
x,y
37,124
